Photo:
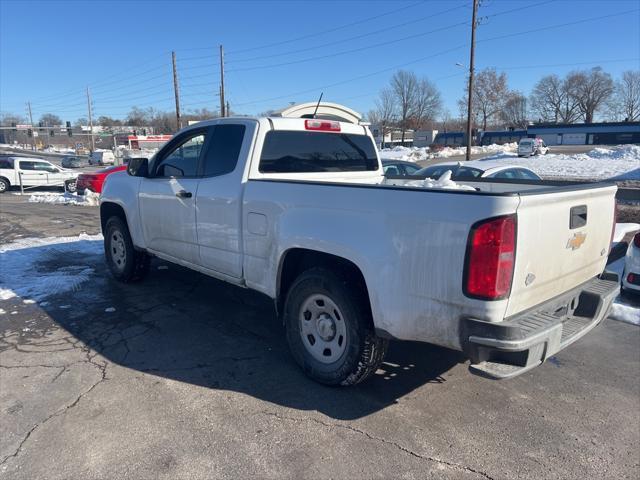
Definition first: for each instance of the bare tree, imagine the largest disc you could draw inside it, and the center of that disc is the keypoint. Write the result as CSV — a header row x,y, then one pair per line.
x,y
490,92
385,111
514,112
10,119
627,95
106,121
50,120
591,90
428,104
405,88
202,114
551,100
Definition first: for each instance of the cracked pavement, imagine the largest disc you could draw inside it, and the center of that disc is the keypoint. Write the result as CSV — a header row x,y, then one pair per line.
x,y
191,378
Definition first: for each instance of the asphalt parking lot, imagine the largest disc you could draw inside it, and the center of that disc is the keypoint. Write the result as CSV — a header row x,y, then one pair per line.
x,y
183,376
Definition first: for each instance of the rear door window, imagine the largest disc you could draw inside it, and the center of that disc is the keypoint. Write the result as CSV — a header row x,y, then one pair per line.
x,y
223,150
6,163
27,165
304,152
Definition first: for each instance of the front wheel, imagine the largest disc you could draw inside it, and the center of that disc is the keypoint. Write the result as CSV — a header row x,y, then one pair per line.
x,y
4,185
124,261
329,330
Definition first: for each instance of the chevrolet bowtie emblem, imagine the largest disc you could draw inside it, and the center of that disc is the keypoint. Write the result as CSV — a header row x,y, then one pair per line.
x,y
576,241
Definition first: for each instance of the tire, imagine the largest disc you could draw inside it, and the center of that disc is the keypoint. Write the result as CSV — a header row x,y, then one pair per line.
x,y
125,262
70,186
320,303
4,185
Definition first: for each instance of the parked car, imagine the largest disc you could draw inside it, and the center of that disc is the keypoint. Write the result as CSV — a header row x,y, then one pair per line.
x,y
299,210
34,172
478,169
399,167
531,146
631,273
102,157
93,181
73,161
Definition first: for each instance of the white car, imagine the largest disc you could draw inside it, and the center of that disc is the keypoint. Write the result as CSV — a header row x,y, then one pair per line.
x,y
478,169
298,209
34,172
532,146
102,157
631,273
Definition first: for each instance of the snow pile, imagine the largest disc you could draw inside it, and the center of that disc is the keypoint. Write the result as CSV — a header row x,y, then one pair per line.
x,y
27,271
444,182
622,229
621,162
89,199
622,309
415,154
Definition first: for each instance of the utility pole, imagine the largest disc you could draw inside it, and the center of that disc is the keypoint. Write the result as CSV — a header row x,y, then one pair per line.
x,y
470,93
222,104
176,90
227,109
33,137
93,145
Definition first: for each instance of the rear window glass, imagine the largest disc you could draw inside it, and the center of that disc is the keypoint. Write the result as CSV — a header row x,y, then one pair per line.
x,y
301,152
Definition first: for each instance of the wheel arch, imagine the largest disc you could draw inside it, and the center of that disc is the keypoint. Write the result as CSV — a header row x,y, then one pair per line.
x,y
295,261
5,179
111,209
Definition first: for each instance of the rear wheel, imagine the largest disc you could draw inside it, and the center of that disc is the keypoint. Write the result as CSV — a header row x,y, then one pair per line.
x,y
70,186
4,185
329,330
125,262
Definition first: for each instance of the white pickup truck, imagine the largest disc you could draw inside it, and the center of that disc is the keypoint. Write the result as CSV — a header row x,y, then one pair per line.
x,y
298,209
34,172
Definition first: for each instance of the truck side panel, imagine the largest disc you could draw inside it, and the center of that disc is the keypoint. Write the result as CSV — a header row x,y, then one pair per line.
x,y
413,267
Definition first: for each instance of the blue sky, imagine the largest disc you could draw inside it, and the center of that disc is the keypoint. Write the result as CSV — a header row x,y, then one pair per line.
x,y
289,51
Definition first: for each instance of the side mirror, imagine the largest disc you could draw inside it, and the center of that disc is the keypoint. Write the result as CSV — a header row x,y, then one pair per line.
x,y
138,167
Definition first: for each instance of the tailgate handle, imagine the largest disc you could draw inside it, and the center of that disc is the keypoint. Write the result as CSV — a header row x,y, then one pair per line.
x,y
578,217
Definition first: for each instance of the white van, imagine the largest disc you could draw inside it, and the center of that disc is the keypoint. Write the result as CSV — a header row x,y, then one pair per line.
x,y
102,157
532,146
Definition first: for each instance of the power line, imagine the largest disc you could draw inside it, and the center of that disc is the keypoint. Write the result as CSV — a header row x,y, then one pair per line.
x,y
344,52
359,77
334,29
566,24
336,42
124,72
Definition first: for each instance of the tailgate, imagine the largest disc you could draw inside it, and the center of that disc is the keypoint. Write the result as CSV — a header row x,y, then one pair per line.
x,y
563,241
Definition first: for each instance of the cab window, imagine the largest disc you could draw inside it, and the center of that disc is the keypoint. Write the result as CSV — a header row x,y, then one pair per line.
x,y
182,160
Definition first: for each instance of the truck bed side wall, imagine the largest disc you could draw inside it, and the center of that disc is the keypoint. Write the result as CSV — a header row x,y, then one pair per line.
x,y
409,245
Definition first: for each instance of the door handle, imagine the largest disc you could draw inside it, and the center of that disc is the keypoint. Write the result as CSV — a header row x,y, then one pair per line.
x,y
184,194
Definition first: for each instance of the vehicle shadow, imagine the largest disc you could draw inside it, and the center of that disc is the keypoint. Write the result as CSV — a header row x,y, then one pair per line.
x,y
184,326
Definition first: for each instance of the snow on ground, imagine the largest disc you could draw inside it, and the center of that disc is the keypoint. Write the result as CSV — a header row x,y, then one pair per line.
x,y
27,271
622,229
621,162
89,199
415,154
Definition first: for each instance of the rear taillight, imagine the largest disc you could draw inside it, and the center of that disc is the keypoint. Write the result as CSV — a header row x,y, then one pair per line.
x,y
636,240
490,259
322,125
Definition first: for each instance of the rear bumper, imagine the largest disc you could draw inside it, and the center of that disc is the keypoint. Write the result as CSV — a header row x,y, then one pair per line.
x,y
510,348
